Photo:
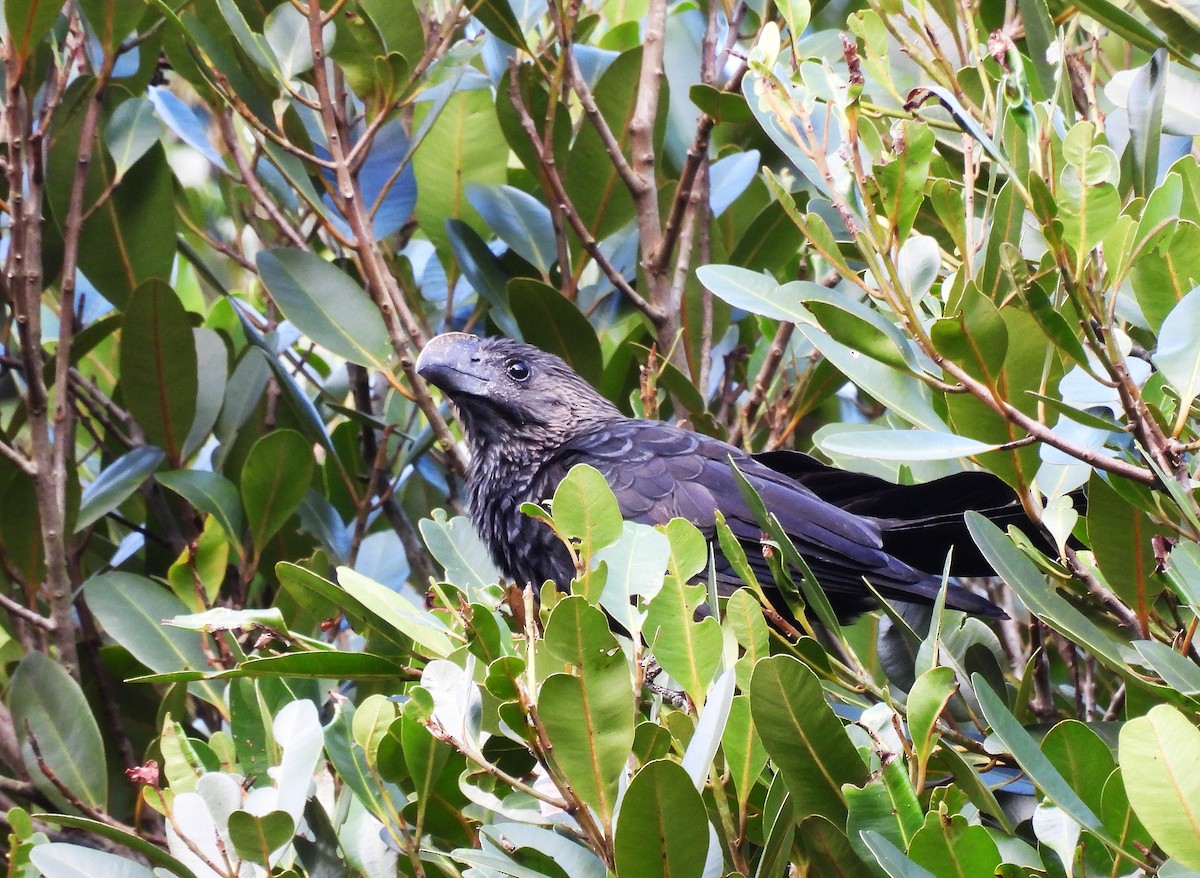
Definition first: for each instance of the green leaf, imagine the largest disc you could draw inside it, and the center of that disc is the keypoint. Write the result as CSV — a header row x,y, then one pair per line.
x,y
62,860
28,22
796,13
497,16
350,764
1178,672
1145,104
326,305
414,622
824,849
891,859
256,838
154,854
316,665
1121,537
48,707
210,493
424,756
589,717
1082,758
949,847
745,755
804,737
112,20
688,650
1162,280
212,361
585,509
926,701
520,221
904,394
457,547
1039,37
1178,355
275,477
117,483
459,149
858,326
756,292
133,128
873,808
661,825
322,597
158,366
131,609
1041,771
902,181
553,323
1020,574
1160,759
593,185
904,445
128,237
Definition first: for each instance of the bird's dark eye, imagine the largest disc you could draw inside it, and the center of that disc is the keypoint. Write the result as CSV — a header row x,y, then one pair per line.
x,y
518,370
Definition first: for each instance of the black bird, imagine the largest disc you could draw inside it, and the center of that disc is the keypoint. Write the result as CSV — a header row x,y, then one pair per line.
x,y
529,418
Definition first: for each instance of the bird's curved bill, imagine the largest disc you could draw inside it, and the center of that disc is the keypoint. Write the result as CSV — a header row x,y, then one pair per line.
x,y
451,363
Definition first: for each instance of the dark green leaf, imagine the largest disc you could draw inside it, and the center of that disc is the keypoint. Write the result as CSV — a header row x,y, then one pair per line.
x,y
1017,741
660,832
210,493
326,305
131,609
275,478
49,708
553,323
158,366
255,838
459,149
589,717
1121,536
117,483
28,22
805,739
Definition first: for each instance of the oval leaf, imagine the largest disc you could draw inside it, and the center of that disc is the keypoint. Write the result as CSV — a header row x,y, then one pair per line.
x,y
275,478
1160,754
904,445
326,305
158,366
658,831
49,709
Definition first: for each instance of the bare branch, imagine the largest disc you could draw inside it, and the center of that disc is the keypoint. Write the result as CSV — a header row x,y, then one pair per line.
x,y
562,200
406,334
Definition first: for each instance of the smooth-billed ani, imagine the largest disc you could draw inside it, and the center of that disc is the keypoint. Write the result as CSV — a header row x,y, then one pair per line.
x,y
529,418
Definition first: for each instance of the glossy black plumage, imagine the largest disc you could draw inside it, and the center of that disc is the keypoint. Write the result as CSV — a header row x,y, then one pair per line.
x,y
529,419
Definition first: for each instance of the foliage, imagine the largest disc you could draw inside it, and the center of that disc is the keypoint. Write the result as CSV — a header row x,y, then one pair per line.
x,y
240,636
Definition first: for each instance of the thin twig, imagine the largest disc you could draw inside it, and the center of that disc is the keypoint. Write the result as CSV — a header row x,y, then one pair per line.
x,y
550,172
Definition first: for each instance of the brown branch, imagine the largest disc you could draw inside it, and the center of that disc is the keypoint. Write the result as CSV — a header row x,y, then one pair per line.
x,y
250,180
641,147
550,172
23,463
404,331
26,179
68,794
22,612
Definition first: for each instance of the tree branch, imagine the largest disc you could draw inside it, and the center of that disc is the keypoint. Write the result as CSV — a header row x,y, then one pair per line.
x,y
550,172
404,331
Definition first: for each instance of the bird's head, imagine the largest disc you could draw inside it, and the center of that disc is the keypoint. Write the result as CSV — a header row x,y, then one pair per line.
x,y
505,390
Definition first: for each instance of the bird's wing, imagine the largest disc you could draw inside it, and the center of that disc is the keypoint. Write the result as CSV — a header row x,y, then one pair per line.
x,y
659,472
